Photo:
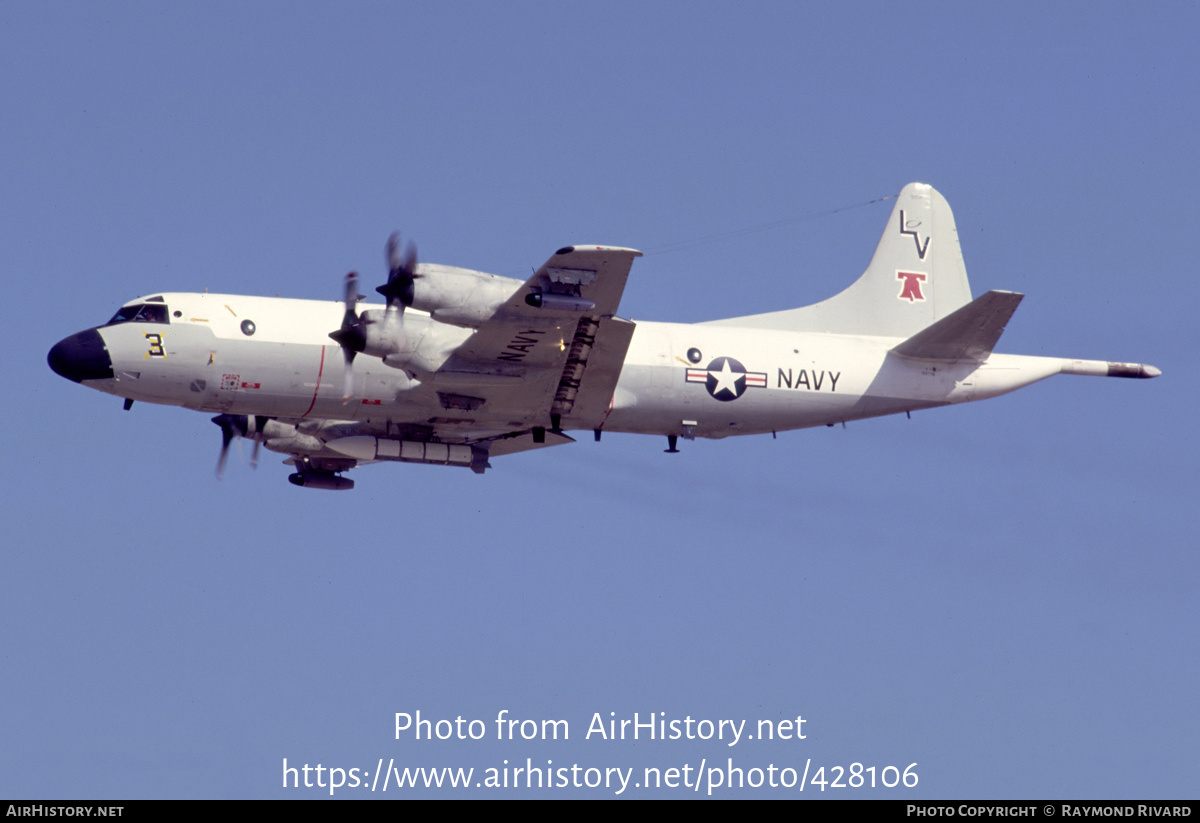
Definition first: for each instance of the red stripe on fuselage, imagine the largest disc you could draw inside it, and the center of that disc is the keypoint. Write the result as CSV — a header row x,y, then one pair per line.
x,y
320,371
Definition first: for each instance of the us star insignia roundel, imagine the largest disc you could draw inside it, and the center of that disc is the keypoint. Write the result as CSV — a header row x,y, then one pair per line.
x,y
726,379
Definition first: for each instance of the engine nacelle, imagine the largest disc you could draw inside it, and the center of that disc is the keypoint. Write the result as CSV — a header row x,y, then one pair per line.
x,y
384,332
461,297
295,444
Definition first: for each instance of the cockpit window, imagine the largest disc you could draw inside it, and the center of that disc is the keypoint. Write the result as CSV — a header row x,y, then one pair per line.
x,y
141,313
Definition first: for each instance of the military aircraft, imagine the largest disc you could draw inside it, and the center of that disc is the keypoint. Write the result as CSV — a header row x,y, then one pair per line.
x,y
463,366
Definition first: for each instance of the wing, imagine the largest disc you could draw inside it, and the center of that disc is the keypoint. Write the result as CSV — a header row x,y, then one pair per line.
x,y
553,350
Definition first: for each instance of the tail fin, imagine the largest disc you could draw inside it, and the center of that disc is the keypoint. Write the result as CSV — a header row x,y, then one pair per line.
x,y
916,278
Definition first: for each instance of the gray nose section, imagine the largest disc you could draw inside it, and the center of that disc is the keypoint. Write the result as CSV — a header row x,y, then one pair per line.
x,y
81,357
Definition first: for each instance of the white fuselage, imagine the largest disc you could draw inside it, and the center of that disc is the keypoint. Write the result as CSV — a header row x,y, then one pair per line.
x,y
272,356
463,366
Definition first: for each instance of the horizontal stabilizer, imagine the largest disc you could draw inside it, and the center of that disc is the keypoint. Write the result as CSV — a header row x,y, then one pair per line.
x,y
966,335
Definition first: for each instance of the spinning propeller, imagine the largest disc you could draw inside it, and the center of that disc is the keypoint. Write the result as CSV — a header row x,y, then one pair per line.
x,y
399,291
237,425
352,336
402,272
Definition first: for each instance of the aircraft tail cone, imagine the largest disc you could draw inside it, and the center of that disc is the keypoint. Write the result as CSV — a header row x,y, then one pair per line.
x,y
1101,368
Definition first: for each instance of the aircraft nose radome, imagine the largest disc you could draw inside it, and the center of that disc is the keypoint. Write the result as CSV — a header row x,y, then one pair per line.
x,y
81,357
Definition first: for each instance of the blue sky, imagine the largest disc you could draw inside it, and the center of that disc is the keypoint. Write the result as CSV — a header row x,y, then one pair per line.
x,y
1003,593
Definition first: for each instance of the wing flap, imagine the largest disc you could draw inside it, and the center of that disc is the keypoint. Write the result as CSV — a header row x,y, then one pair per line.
x,y
523,441
590,374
